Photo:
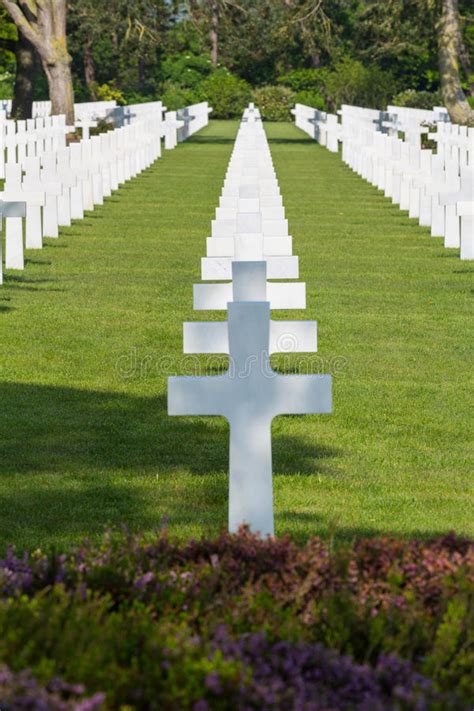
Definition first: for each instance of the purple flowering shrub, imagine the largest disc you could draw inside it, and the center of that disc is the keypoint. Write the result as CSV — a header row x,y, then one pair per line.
x,y
240,622
22,691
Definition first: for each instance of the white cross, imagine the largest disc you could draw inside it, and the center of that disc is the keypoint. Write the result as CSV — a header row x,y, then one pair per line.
x,y
13,212
465,211
249,283
85,125
449,200
249,396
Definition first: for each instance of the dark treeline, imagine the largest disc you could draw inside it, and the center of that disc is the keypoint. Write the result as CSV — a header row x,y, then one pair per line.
x,y
321,52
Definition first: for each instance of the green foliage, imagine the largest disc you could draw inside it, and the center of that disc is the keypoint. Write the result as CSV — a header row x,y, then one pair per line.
x,y
186,70
110,92
353,83
305,79
227,94
203,619
418,99
274,102
309,86
311,98
350,82
176,97
7,81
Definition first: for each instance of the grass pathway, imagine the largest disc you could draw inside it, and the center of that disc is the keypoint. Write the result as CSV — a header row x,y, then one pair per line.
x,y
92,327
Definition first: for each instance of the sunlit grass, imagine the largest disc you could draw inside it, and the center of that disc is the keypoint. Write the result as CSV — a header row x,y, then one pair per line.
x,y
92,327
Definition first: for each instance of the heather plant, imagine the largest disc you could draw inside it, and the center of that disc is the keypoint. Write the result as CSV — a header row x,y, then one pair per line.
x,y
22,691
143,619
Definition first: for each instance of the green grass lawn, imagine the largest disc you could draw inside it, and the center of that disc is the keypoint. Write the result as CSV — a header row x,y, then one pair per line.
x,y
92,327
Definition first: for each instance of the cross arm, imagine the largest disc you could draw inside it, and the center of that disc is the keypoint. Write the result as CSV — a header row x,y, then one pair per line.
x,y
301,394
198,395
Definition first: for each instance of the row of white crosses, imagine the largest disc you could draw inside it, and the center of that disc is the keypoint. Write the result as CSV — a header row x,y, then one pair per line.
x,y
249,245
183,123
83,110
24,139
323,127
53,184
437,189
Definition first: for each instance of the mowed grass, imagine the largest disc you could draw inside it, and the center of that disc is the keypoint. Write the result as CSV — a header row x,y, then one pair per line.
x,y
93,326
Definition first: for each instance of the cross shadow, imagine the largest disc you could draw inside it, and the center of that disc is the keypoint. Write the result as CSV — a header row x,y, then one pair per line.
x,y
26,285
304,525
217,140
291,141
43,262
20,279
44,426
77,460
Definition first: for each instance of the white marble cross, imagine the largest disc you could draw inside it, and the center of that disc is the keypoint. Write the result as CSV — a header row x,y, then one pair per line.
x,y
85,125
449,200
13,212
465,212
253,286
249,283
249,396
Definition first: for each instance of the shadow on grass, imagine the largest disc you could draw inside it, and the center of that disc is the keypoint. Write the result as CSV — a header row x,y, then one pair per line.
x,y
23,286
17,279
101,453
305,525
218,140
291,141
43,262
49,428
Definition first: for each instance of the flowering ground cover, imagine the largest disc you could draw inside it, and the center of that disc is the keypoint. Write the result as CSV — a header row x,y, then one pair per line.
x,y
236,622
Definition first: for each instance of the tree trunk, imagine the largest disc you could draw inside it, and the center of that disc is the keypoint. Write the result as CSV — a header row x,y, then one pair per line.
x,y
61,94
26,71
141,73
214,32
44,25
89,71
448,39
465,61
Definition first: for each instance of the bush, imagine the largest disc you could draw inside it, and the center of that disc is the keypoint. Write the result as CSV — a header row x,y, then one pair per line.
x,y
136,97
186,70
227,94
274,102
7,81
311,98
239,622
177,97
418,99
305,79
110,92
22,691
352,83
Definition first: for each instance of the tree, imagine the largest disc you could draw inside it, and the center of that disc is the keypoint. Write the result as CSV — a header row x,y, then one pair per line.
x,y
210,15
118,43
449,50
43,23
25,60
26,72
